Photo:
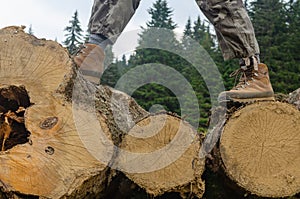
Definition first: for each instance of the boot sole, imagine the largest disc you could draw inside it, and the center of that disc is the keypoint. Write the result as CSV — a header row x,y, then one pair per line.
x,y
248,100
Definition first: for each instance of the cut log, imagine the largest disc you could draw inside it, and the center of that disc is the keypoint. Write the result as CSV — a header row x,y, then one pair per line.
x,y
260,149
160,154
43,155
53,148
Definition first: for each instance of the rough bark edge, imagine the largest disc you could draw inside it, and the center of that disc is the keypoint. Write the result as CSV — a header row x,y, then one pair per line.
x,y
214,166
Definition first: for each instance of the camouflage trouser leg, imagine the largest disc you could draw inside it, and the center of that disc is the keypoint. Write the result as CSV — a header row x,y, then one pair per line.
x,y
109,17
229,17
233,27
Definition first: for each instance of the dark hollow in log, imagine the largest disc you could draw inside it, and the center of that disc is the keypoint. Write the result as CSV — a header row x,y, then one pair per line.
x,y
13,103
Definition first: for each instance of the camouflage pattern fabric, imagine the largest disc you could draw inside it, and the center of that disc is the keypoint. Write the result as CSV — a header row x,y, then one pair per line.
x,y
233,27
109,17
232,24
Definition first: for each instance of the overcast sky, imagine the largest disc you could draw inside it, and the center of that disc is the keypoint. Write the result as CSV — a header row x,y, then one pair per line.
x,y
49,17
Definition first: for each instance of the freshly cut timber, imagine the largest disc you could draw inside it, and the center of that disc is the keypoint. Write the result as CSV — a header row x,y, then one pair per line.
x,y
51,118
260,149
161,155
42,154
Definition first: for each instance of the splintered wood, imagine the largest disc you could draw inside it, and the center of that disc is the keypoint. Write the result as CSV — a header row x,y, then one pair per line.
x,y
13,102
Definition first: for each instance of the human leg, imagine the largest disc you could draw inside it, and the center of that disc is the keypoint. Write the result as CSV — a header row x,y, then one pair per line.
x,y
108,19
237,40
233,27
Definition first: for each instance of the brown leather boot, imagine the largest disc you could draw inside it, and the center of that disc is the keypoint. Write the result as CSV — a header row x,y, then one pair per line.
x,y
254,85
90,60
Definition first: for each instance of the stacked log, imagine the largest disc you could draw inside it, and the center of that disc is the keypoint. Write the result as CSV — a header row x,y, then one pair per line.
x,y
260,149
63,137
65,120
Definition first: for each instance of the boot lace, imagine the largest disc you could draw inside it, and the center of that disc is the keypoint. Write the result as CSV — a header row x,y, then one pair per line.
x,y
245,75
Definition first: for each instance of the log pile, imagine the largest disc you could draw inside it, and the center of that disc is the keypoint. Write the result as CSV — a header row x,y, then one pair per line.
x,y
73,131
63,137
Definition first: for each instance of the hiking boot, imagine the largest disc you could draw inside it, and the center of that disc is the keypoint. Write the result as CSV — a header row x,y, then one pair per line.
x,y
90,60
254,85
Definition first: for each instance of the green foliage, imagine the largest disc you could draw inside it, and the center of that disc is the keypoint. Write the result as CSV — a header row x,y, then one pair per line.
x,y
201,34
153,93
188,28
73,35
277,29
113,70
161,16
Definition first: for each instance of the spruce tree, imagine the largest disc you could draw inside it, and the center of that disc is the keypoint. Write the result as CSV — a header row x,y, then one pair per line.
x,y
158,32
112,71
74,34
161,15
273,26
188,28
292,44
269,22
187,34
201,33
30,30
198,30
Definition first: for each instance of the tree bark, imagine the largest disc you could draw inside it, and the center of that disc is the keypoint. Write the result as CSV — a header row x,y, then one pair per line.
x,y
294,98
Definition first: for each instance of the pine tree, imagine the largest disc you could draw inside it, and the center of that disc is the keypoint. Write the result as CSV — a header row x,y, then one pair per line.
x,y
74,34
275,29
188,28
187,34
112,71
198,30
201,33
158,32
161,16
269,22
292,45
30,30
246,5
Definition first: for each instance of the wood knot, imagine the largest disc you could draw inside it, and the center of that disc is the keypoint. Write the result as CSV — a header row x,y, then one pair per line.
x,y
49,150
49,123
